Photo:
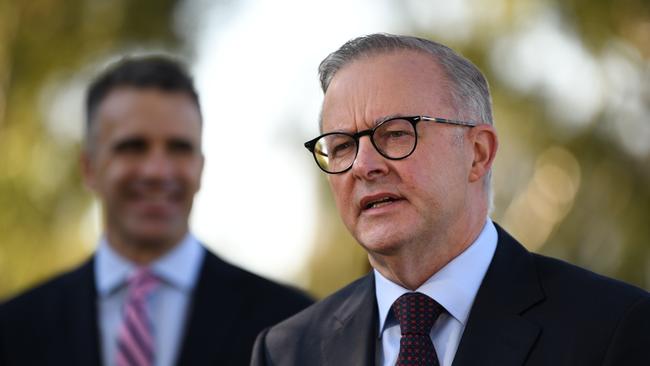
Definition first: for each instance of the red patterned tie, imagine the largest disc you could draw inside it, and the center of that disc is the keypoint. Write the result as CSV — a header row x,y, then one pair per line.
x,y
135,341
416,313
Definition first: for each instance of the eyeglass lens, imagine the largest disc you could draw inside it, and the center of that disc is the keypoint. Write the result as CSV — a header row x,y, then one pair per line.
x,y
394,139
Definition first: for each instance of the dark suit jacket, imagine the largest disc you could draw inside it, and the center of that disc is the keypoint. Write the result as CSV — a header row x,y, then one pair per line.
x,y
529,310
56,323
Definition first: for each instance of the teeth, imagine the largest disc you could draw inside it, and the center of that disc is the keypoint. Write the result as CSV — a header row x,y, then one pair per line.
x,y
379,203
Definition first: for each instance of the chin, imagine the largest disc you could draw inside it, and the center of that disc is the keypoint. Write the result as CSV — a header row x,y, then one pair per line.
x,y
380,243
154,235
152,240
155,226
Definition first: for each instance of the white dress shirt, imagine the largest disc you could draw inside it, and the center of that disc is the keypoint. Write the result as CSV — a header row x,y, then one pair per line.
x,y
177,271
454,287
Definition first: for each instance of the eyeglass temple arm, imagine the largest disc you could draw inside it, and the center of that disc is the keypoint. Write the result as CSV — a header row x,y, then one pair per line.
x,y
449,121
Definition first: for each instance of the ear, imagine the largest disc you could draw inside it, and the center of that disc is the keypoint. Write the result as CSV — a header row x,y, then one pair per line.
x,y
484,148
87,169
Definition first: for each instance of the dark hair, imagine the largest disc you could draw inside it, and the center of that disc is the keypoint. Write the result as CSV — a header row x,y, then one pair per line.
x,y
156,71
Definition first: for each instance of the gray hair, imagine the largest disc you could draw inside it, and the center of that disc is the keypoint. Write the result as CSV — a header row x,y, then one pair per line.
x,y
469,89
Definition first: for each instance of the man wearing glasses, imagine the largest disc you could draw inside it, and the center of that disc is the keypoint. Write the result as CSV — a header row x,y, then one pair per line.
x,y
408,143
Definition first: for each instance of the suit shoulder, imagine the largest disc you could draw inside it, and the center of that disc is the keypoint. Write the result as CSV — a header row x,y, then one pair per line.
x,y
560,277
49,292
27,321
299,338
599,318
561,281
265,291
312,317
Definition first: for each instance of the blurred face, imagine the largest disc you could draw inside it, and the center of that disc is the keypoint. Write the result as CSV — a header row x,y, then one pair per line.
x,y
145,165
389,205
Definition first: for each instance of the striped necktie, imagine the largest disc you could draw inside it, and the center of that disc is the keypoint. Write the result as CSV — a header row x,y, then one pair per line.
x,y
135,340
416,313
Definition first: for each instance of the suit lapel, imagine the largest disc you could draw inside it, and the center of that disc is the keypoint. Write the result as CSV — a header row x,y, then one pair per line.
x,y
79,319
496,333
202,342
354,328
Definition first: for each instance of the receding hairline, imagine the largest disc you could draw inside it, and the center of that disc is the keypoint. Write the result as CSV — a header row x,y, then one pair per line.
x,y
369,54
468,85
378,52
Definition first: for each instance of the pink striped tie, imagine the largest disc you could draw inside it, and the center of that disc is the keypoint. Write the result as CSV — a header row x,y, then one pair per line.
x,y
135,341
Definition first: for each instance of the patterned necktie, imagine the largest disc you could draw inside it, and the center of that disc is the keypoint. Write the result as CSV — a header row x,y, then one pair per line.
x,y
416,313
135,341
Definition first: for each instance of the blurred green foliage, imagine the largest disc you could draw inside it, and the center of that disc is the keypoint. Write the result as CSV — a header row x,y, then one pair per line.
x,y
41,198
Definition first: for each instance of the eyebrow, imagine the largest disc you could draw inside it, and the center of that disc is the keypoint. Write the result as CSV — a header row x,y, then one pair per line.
x,y
185,143
386,118
129,141
375,123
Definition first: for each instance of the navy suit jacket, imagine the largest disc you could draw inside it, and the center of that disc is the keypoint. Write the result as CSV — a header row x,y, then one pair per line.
x,y
56,323
529,310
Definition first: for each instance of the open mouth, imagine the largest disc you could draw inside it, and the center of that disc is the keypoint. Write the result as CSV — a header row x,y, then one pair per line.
x,y
377,201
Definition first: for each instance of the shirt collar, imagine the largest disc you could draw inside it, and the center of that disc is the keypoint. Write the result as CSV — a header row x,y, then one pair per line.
x,y
454,286
178,268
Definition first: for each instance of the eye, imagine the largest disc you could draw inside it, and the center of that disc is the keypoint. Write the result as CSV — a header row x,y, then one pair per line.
x,y
341,149
399,133
397,130
395,134
335,146
130,146
180,146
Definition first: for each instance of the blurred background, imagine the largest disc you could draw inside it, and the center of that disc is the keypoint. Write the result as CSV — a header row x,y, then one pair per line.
x,y
570,82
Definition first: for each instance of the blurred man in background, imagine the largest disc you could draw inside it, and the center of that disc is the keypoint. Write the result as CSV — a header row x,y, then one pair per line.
x,y
151,294
408,145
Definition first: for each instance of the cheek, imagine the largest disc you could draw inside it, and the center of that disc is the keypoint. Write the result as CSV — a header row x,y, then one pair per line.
x,y
118,173
114,176
441,188
105,177
424,184
191,175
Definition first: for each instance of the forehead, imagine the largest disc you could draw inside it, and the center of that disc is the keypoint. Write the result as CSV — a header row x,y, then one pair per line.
x,y
376,86
147,112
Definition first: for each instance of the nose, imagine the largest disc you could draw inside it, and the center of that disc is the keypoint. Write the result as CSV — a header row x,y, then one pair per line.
x,y
156,165
369,163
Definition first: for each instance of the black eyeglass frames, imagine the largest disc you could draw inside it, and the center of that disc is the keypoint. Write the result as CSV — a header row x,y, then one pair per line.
x,y
394,138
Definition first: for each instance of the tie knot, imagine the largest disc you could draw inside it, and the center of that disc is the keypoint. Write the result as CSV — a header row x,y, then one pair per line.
x,y
142,283
416,313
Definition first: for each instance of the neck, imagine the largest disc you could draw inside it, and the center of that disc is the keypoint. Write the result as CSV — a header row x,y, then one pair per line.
x,y
417,262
